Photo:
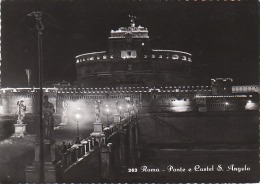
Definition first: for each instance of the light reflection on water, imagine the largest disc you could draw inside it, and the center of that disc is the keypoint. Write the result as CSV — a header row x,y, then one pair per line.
x,y
182,109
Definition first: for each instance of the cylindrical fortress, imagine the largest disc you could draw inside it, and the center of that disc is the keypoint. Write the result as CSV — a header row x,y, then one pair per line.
x,y
129,61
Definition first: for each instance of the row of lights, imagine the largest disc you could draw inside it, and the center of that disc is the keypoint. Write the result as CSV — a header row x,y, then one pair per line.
x,y
174,57
78,117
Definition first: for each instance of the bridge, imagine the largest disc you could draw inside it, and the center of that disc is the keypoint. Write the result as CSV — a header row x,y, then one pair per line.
x,y
107,154
100,156
155,130
114,153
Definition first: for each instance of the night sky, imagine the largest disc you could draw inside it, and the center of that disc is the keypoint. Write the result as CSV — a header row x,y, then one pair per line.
x,y
222,36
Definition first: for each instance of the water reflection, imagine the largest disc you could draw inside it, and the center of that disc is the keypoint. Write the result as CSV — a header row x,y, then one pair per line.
x,y
182,109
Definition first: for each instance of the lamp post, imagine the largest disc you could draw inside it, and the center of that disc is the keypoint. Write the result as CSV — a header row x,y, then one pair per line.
x,y
39,26
107,111
120,108
226,106
77,116
128,108
134,110
137,110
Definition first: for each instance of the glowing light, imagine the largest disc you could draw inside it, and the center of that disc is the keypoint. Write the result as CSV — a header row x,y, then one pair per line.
x,y
91,53
120,107
249,101
77,116
181,109
173,51
227,103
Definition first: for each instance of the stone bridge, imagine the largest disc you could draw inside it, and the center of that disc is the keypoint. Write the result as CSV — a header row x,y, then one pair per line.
x,y
110,153
103,155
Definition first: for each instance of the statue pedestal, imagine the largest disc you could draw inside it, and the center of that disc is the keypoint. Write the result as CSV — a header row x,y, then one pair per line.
x,y
19,129
98,132
126,114
98,128
51,169
117,118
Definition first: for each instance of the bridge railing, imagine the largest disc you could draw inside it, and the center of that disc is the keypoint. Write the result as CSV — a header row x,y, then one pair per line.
x,y
71,154
112,129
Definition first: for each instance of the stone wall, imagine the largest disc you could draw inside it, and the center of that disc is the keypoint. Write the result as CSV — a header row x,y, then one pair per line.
x,y
169,98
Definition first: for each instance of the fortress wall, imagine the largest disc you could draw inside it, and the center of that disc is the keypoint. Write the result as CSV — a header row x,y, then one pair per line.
x,y
151,98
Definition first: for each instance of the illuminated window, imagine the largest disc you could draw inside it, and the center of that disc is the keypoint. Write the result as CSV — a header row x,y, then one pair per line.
x,y
153,56
184,58
175,57
128,54
143,44
145,56
104,57
160,56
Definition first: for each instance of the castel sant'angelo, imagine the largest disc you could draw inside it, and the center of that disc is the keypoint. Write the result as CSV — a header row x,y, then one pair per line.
x,y
130,61
131,71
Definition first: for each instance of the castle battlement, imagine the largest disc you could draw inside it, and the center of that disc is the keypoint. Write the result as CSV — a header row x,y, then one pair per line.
x,y
109,90
27,90
134,32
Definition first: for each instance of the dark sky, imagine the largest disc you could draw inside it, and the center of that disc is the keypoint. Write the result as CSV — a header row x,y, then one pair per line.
x,y
222,36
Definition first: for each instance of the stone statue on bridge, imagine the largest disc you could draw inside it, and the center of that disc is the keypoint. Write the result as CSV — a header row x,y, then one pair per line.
x,y
48,120
117,108
65,106
21,108
97,110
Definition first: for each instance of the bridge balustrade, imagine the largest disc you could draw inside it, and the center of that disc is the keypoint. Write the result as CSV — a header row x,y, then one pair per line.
x,y
73,155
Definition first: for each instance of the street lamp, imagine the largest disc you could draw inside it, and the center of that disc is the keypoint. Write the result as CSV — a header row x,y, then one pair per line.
x,y
120,108
128,106
137,110
134,110
226,105
77,116
107,111
40,27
